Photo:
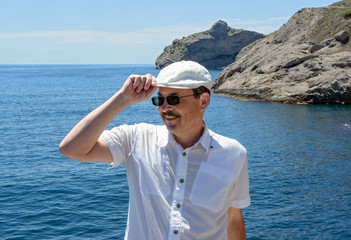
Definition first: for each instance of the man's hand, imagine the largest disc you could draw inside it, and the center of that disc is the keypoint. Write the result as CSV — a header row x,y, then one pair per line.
x,y
138,88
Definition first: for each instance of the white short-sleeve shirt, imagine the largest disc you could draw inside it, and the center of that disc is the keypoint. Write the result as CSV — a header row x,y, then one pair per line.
x,y
176,193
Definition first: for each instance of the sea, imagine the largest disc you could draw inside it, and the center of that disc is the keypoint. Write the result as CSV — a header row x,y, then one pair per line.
x,y
299,158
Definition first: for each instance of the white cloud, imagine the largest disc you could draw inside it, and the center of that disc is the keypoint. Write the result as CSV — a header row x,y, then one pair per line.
x,y
152,35
157,35
265,26
66,36
81,35
267,21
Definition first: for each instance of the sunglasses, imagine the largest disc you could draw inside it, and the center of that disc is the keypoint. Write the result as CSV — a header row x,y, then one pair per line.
x,y
171,100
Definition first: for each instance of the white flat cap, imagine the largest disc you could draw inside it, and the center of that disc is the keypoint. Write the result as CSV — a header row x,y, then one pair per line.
x,y
184,75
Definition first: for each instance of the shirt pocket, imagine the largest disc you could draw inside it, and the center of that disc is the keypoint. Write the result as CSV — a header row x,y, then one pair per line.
x,y
211,187
154,179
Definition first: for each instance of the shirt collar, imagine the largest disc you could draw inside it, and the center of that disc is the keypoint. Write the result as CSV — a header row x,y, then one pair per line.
x,y
205,139
165,137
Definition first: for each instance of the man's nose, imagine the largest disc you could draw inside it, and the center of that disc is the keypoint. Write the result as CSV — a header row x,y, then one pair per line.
x,y
165,106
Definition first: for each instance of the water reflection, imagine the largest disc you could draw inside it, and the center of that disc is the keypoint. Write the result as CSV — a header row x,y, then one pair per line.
x,y
299,165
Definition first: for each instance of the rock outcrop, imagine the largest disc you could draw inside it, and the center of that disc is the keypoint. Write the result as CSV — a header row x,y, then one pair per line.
x,y
215,48
308,60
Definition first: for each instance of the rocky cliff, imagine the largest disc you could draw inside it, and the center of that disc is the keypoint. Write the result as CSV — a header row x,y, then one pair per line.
x,y
308,60
214,48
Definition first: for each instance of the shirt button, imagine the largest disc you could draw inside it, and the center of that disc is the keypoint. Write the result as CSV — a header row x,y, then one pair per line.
x,y
178,205
184,153
175,232
181,180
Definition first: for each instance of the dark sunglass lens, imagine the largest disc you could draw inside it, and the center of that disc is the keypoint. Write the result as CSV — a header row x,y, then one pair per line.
x,y
173,100
157,101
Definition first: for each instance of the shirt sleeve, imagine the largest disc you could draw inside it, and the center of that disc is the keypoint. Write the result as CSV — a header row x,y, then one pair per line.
x,y
241,195
118,141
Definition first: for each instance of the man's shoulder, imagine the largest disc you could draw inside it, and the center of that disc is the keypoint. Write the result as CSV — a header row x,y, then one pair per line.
x,y
149,127
138,129
226,143
227,152
149,131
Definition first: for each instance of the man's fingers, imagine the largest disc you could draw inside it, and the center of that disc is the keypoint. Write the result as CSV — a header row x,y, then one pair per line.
x,y
135,80
139,87
149,82
141,82
154,81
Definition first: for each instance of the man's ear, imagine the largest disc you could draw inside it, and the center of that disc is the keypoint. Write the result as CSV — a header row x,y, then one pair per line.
x,y
204,100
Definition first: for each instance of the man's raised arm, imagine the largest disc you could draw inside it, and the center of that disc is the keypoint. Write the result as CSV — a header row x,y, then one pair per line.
x,y
82,142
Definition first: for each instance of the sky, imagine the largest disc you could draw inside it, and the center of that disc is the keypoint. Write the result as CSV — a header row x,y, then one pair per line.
x,y
124,32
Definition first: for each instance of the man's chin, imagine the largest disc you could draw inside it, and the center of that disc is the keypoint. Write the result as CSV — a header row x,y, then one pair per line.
x,y
171,125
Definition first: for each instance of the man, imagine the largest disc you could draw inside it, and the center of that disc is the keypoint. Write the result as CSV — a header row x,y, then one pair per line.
x,y
185,181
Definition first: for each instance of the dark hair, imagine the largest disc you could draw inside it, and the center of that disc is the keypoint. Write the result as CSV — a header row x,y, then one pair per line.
x,y
199,90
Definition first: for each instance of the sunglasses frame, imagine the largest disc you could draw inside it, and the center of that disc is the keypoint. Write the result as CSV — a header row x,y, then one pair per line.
x,y
161,100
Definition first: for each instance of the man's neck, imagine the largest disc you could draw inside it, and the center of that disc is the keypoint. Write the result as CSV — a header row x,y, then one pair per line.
x,y
189,140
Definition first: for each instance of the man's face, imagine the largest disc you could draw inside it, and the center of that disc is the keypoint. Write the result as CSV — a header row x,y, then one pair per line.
x,y
183,118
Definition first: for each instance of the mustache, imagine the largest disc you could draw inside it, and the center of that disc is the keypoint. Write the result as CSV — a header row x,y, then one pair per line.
x,y
170,114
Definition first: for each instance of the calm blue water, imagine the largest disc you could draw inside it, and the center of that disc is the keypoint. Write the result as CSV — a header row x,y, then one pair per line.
x,y
299,158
